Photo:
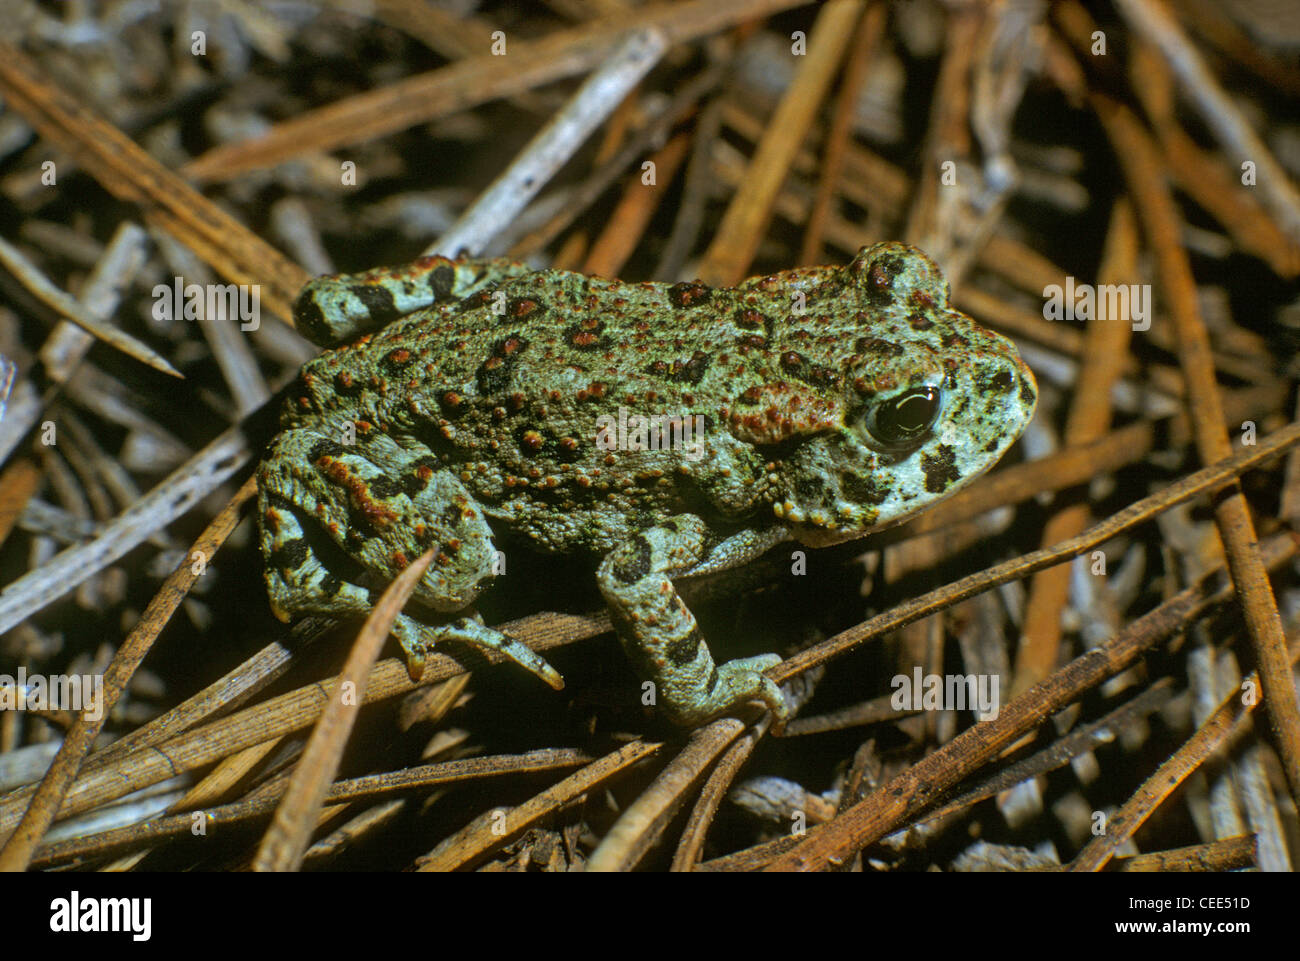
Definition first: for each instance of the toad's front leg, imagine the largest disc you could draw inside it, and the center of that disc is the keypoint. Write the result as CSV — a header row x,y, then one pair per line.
x,y
661,636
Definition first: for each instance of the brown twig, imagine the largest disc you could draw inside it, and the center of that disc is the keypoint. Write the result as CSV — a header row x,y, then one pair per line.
x,y
49,796
866,38
913,791
1230,854
285,841
640,826
470,82
711,796
498,827
130,174
1141,165
743,225
1106,344
631,216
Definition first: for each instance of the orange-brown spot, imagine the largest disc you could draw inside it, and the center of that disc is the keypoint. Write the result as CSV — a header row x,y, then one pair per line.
x,y
522,307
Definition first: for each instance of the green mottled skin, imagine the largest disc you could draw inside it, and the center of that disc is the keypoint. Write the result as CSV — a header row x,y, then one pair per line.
x,y
475,405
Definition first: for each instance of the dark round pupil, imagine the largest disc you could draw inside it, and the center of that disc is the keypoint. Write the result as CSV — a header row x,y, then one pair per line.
x,y
910,414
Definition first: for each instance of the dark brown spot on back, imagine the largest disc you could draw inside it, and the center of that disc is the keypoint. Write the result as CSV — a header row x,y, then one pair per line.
x,y
587,334
396,360
689,293
880,279
875,346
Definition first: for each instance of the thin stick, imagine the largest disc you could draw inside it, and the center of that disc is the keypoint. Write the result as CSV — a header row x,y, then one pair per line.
x,y
1124,823
631,215
640,825
131,174
711,796
18,850
286,840
917,788
498,827
1151,19
1226,855
48,293
554,144
866,39
470,82
744,224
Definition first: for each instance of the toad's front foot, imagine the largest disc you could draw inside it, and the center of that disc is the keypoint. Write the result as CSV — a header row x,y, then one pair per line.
x,y
661,636
739,682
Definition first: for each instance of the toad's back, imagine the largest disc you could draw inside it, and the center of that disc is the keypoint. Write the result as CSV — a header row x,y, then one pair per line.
x,y
508,375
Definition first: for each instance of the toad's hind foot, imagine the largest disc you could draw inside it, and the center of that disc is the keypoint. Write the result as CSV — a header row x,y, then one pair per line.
x,y
418,639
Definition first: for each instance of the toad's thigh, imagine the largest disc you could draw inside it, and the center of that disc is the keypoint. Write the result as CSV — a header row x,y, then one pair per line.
x,y
381,511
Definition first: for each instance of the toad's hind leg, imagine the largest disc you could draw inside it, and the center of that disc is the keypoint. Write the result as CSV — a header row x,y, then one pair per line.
x,y
307,573
661,636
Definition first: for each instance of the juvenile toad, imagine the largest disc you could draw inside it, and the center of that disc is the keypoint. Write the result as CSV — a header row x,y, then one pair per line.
x,y
668,429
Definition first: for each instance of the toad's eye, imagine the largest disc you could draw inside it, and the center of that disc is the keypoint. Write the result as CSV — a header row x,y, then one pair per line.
x,y
904,419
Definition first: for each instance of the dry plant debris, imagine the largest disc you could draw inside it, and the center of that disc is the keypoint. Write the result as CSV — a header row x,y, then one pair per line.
x,y
1110,184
